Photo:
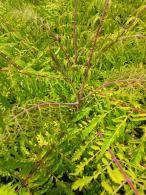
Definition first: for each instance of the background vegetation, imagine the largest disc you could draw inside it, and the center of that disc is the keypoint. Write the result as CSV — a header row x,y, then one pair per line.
x,y
72,97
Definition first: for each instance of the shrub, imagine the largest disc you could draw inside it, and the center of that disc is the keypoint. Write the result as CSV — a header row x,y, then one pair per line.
x,y
72,100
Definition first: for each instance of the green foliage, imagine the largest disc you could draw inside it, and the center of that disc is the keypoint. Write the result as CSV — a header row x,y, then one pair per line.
x,y
71,90
7,189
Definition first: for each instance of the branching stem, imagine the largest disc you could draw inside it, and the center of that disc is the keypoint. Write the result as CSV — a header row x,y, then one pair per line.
x,y
75,104
125,29
57,38
107,84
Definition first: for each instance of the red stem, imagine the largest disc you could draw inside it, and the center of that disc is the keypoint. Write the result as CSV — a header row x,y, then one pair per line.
x,y
127,179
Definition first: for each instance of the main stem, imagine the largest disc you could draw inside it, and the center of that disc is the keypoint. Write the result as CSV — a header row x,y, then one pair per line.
x,y
92,50
75,32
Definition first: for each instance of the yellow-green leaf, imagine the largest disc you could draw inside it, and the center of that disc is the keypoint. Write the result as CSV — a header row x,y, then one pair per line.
x,y
138,119
115,175
80,183
107,187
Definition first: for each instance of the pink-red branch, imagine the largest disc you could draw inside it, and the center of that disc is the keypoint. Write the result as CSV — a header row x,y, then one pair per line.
x,y
127,179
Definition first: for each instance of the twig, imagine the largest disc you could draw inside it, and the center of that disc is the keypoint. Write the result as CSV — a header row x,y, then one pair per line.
x,y
127,179
31,74
59,66
106,47
98,31
125,29
75,31
10,61
37,165
119,37
107,84
57,38
115,192
133,109
44,105
74,104
20,70
88,62
62,71
137,36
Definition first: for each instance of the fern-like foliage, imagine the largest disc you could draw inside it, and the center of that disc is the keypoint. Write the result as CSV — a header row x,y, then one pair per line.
x,y
72,97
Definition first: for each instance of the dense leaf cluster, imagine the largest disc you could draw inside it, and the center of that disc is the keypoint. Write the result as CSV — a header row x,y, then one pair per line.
x,y
72,97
